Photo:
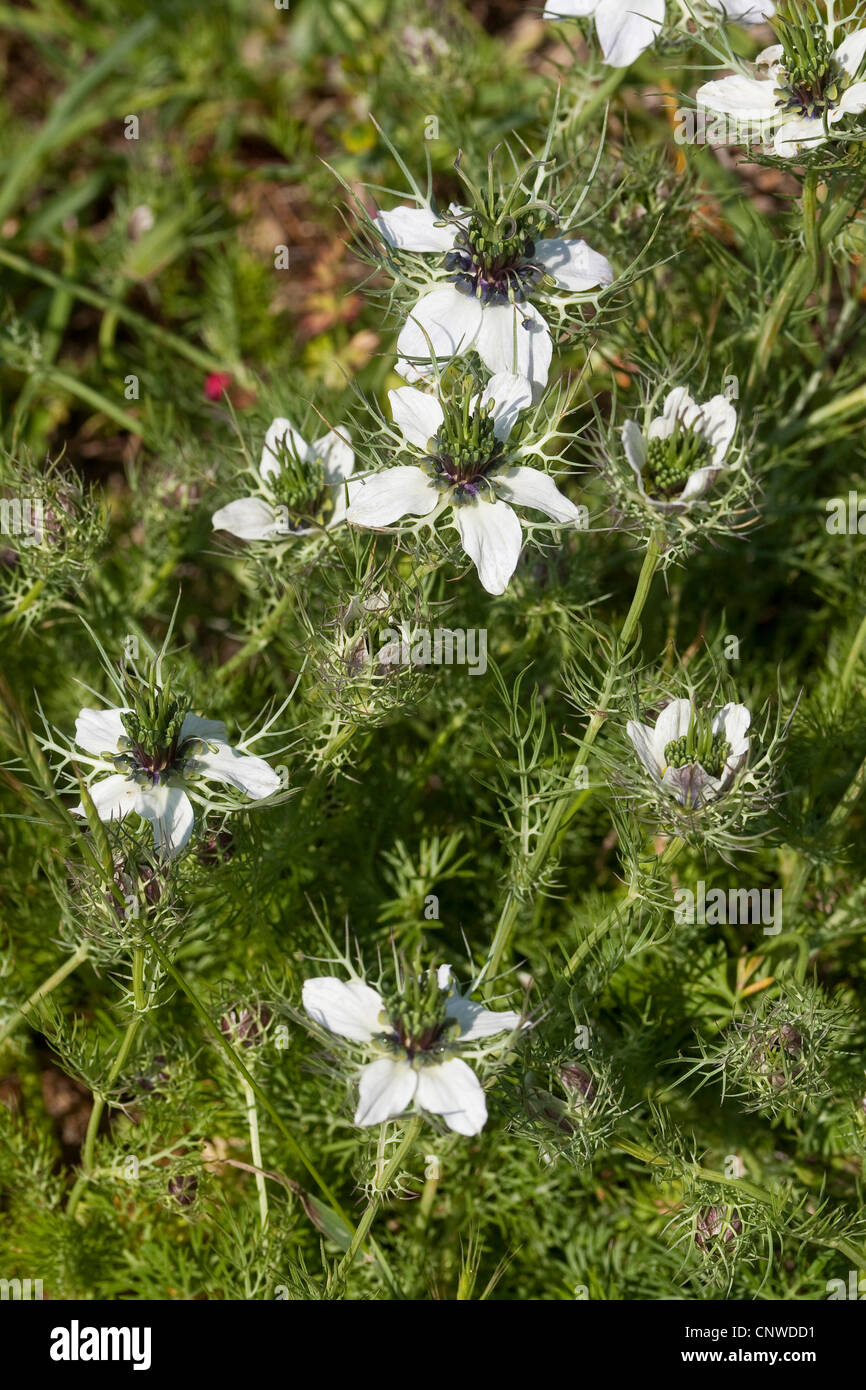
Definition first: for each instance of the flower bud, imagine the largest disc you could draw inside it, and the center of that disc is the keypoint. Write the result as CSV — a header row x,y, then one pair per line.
x,y
183,1189
717,1228
245,1027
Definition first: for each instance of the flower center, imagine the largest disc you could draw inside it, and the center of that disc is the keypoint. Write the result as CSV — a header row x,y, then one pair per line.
x,y
492,257
670,462
699,746
300,486
465,451
152,749
810,79
420,1026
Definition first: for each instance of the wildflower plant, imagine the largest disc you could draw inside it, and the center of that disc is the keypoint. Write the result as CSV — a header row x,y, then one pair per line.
x,y
431,530
498,277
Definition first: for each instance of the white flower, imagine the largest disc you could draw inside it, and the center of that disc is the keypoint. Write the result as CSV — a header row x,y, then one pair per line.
x,y
485,301
301,483
743,11
683,450
416,1062
157,782
478,480
626,28
801,97
689,755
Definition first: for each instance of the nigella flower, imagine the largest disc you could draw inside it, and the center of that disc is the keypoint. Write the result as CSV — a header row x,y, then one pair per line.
x,y
626,28
691,755
303,487
497,270
683,450
465,462
159,759
808,87
418,1034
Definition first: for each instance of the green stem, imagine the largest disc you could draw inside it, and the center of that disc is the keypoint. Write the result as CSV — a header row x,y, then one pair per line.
x,y
800,278
600,94
410,1134
257,640
117,1066
788,296
44,989
703,1174
601,928
230,1053
562,809
809,210
256,1150
96,399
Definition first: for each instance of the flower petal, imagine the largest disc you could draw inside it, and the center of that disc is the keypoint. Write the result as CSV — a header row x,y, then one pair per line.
x,y
634,444
746,98
690,784
222,763
807,131
672,723
249,518
444,323
573,264
643,739
385,497
340,493
851,51
417,414
452,1090
348,1008
697,484
194,726
853,101
515,339
414,229
98,730
744,11
626,27
336,453
717,422
414,371
281,434
114,797
386,1089
735,720
510,394
529,487
770,57
678,406
170,811
569,9
477,1022
491,536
